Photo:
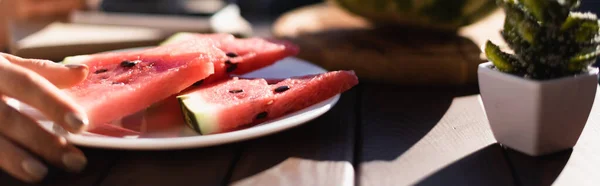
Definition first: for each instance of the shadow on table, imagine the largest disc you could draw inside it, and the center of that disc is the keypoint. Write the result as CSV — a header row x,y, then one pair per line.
x,y
529,171
395,118
537,171
473,169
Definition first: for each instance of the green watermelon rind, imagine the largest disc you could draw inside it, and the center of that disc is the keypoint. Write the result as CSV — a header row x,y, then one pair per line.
x,y
420,14
187,116
197,114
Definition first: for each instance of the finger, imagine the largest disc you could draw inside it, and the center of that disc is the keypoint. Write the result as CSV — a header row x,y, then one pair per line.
x,y
62,76
32,89
27,133
19,163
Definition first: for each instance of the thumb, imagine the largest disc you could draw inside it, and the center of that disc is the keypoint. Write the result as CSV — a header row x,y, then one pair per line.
x,y
62,76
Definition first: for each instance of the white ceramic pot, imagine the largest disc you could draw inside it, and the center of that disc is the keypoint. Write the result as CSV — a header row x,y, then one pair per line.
x,y
536,117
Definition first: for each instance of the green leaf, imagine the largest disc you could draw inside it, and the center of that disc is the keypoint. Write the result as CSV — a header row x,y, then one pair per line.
x,y
584,26
537,8
581,61
517,19
501,60
587,31
547,11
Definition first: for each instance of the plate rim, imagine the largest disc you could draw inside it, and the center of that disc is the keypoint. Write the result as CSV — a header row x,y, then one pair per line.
x,y
158,144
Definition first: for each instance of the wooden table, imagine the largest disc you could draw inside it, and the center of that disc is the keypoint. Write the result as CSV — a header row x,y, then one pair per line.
x,y
377,135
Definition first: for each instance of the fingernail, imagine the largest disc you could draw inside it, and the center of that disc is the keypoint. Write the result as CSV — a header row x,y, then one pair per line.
x,y
74,162
34,168
75,66
76,121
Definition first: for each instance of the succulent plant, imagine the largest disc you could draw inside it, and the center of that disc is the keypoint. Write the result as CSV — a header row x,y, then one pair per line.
x,y
547,39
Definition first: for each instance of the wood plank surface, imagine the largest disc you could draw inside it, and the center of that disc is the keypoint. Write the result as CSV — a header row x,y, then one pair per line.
x,y
427,136
578,166
99,163
317,153
202,166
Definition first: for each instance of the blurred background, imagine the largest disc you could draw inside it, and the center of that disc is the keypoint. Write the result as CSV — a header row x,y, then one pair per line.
x,y
251,8
435,42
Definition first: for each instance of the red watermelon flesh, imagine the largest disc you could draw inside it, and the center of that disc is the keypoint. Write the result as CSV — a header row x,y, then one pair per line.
x,y
256,53
295,94
249,54
111,130
113,89
245,55
237,103
161,116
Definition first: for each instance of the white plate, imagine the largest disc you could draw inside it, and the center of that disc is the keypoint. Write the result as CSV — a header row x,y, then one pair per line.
x,y
183,137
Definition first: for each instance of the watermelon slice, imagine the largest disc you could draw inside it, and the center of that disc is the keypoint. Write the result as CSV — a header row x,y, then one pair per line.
x,y
248,55
245,55
237,103
161,71
120,85
239,56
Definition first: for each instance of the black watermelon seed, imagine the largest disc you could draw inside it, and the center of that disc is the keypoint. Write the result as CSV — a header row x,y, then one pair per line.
x,y
236,91
198,83
282,88
231,68
128,64
228,62
231,54
261,115
100,71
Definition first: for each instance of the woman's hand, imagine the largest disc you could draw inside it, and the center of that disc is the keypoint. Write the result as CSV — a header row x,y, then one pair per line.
x,y
23,142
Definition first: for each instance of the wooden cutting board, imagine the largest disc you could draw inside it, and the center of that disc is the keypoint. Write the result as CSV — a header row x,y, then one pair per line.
x,y
336,40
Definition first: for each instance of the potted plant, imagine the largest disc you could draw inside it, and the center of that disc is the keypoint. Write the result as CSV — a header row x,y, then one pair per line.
x,y
538,93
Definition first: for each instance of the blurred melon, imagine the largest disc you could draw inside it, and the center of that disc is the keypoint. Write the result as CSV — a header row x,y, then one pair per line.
x,y
437,14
